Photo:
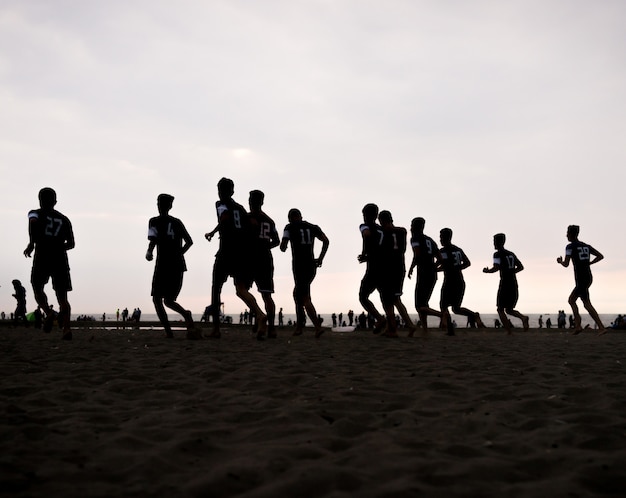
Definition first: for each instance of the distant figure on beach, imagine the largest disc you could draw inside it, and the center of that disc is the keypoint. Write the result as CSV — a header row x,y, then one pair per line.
x,y
264,239
509,266
453,262
301,235
233,256
580,254
371,235
540,321
426,257
393,266
20,297
281,318
172,241
51,236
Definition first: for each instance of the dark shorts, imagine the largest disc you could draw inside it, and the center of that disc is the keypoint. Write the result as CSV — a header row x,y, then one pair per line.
x,y
263,269
452,293
424,288
370,282
303,277
236,265
391,286
508,295
167,282
582,288
56,269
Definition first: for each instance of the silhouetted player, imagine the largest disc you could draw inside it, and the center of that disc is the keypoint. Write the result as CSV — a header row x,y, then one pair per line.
x,y
233,257
172,241
580,254
393,252
301,235
509,266
372,237
453,262
264,239
426,258
51,236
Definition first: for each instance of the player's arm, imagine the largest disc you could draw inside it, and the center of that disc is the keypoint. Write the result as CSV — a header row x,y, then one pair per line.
x,y
493,269
151,246
365,234
208,236
325,244
274,239
32,223
597,255
466,261
187,240
285,241
416,255
518,266
69,240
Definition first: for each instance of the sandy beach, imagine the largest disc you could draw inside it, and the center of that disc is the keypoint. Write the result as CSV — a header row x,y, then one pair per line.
x,y
130,413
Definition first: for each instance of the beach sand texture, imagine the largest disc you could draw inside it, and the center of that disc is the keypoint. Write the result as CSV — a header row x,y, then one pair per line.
x,y
129,413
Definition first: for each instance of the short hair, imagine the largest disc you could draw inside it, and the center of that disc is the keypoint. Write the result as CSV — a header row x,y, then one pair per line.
x,y
294,214
257,196
446,233
418,222
574,230
385,217
165,199
225,183
370,211
499,239
47,197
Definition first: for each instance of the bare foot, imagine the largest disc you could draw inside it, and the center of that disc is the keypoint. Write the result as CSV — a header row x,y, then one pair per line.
x,y
479,322
525,323
319,332
380,325
603,331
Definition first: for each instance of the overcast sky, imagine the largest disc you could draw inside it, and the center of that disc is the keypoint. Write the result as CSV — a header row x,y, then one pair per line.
x,y
481,116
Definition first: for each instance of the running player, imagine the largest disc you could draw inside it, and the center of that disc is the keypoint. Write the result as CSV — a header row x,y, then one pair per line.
x,y
580,255
51,236
233,255
393,250
509,266
264,239
170,237
372,236
426,258
453,262
302,234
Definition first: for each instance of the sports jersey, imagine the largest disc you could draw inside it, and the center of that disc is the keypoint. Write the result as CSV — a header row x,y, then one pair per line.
x,y
51,232
302,235
507,262
452,259
372,243
234,226
264,233
169,234
427,251
580,253
393,249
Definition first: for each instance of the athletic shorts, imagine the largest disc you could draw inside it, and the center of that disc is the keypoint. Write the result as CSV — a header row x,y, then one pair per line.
x,y
452,293
582,287
236,265
424,288
167,282
57,269
303,277
263,270
508,295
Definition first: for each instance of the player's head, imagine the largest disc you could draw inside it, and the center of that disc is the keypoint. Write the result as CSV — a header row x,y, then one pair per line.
x,y
294,215
256,199
47,198
370,212
572,232
16,283
385,218
165,202
417,225
445,236
225,188
498,240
